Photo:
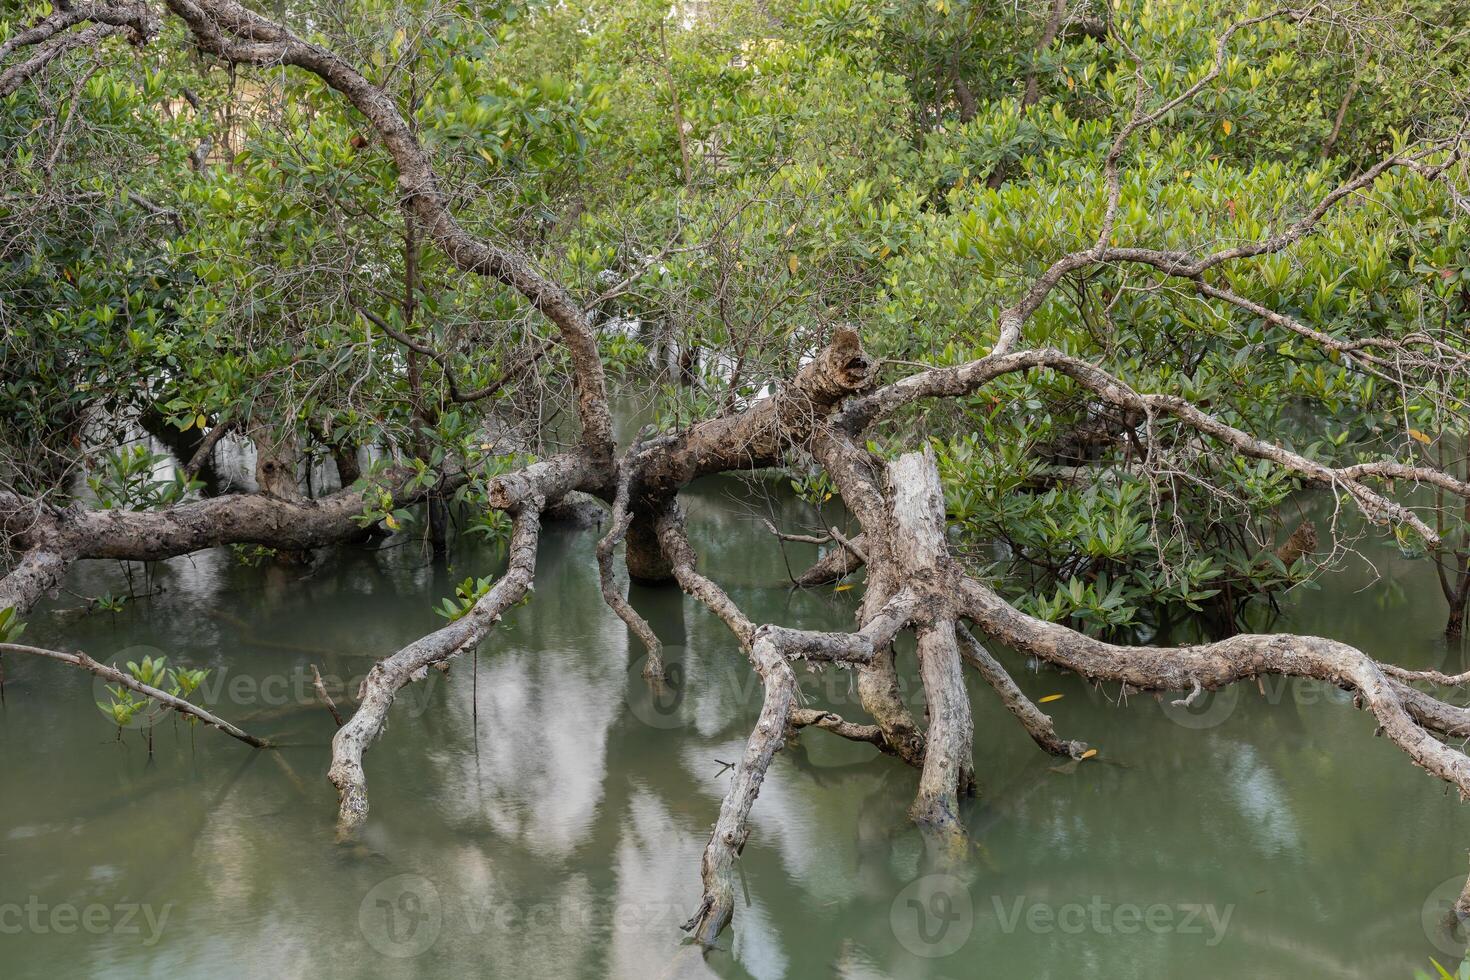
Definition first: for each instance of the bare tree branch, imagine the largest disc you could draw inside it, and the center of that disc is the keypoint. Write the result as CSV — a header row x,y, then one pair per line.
x,y
86,663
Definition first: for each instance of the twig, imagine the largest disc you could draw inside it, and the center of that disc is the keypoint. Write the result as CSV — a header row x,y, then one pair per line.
x,y
321,692
85,662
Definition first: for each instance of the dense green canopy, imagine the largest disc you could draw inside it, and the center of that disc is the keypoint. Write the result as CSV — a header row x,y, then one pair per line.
x,y
189,243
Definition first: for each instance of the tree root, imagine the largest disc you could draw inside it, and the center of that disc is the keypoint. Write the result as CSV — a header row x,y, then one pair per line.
x,y
622,518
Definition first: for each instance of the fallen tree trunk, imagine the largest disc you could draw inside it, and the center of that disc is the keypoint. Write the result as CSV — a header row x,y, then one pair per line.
x,y
51,538
38,572
911,578
760,436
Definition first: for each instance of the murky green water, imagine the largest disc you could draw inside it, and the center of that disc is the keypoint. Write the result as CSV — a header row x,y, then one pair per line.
x,y
545,818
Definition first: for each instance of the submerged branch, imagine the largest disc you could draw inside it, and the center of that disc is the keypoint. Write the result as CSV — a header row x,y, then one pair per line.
x,y
653,667
381,686
1037,723
1242,657
116,676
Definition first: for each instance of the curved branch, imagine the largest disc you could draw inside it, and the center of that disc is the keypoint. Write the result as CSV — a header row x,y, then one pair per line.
x,y
1379,509
1354,351
1212,665
769,647
21,72
732,829
1178,264
859,479
227,29
830,721
85,662
63,17
653,668
381,686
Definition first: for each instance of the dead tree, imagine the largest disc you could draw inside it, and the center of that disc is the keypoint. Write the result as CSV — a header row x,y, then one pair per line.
x,y
828,412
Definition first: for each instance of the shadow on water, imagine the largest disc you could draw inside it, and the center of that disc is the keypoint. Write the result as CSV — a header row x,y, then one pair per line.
x,y
553,827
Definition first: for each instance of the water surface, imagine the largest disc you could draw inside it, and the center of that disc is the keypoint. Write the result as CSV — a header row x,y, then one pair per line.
x,y
543,816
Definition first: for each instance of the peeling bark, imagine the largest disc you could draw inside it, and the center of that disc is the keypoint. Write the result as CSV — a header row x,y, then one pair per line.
x,y
948,772
919,555
38,573
758,437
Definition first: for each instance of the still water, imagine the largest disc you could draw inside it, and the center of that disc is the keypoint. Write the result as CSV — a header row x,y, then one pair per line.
x,y
543,816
